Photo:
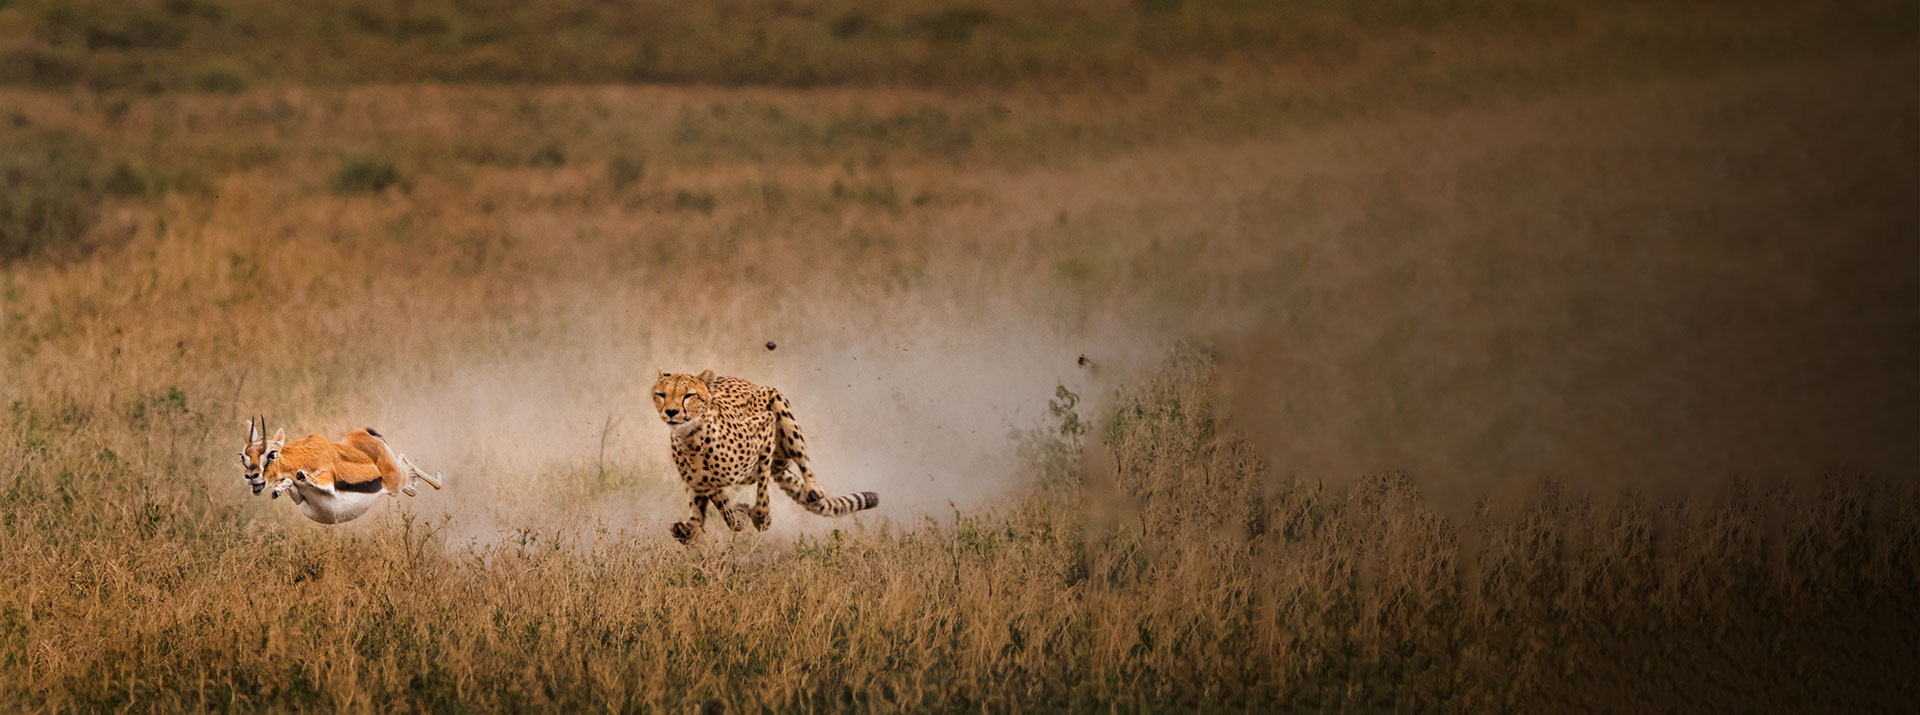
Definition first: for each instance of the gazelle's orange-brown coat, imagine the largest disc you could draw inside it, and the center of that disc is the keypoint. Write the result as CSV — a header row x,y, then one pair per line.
x,y
330,481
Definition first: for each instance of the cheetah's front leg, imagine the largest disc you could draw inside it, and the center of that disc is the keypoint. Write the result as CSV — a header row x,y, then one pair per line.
x,y
684,531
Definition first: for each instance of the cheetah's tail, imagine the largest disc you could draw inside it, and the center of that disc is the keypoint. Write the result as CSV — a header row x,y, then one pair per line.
x,y
812,501
792,450
844,504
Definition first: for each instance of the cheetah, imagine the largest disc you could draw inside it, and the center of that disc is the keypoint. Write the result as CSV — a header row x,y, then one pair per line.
x,y
727,431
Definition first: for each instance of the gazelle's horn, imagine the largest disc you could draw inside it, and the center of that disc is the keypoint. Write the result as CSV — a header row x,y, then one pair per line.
x,y
253,426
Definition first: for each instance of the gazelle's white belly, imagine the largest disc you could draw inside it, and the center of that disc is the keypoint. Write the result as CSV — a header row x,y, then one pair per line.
x,y
331,507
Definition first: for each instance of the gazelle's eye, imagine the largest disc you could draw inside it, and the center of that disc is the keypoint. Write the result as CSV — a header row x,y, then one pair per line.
x,y
243,460
273,454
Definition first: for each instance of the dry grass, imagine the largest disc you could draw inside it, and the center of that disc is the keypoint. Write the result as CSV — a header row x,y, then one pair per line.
x,y
1179,575
1466,269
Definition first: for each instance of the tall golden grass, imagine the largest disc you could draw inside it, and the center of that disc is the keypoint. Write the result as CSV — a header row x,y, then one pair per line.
x,y
1375,413
1176,574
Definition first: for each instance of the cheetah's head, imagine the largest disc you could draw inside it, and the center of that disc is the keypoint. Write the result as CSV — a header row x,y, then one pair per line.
x,y
682,399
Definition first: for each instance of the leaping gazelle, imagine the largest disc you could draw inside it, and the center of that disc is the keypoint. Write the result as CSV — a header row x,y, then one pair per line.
x,y
330,481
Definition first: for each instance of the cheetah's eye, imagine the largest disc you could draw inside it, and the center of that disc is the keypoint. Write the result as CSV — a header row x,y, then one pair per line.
x,y
660,395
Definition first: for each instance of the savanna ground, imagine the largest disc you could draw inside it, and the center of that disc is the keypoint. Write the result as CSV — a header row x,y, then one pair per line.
x,y
1505,356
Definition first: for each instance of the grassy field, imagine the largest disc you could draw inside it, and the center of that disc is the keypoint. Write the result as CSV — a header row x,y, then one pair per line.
x,y
1437,356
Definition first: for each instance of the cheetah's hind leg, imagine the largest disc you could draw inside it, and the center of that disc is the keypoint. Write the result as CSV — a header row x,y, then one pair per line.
x,y
762,512
734,514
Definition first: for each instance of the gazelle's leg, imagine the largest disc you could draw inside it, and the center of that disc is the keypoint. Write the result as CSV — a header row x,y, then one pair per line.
x,y
393,475
432,480
320,481
296,492
684,531
408,475
302,483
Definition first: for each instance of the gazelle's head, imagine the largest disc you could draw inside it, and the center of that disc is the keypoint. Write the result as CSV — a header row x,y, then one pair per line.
x,y
260,452
681,398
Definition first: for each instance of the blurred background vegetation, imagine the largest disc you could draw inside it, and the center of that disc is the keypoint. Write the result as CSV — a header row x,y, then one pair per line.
x,y
223,46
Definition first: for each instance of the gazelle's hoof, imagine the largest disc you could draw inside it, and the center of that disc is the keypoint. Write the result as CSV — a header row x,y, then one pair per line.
x,y
407,489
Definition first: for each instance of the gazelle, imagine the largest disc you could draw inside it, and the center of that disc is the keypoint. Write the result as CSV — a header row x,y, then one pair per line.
x,y
330,481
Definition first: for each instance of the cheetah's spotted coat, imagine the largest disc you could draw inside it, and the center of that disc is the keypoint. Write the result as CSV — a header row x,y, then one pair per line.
x,y
728,431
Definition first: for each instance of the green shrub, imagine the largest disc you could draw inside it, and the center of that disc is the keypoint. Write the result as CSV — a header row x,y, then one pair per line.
x,y
41,67
848,24
624,171
548,156
125,179
223,76
694,201
50,194
951,25
365,175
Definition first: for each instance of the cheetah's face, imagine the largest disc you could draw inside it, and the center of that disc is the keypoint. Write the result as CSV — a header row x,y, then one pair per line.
x,y
681,398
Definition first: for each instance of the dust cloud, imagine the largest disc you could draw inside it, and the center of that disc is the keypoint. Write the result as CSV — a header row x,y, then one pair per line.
x,y
921,401
1661,288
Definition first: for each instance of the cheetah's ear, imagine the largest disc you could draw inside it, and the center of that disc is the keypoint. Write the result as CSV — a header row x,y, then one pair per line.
x,y
707,377
664,373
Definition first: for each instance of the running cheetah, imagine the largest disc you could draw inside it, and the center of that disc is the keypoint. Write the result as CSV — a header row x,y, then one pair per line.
x,y
727,431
